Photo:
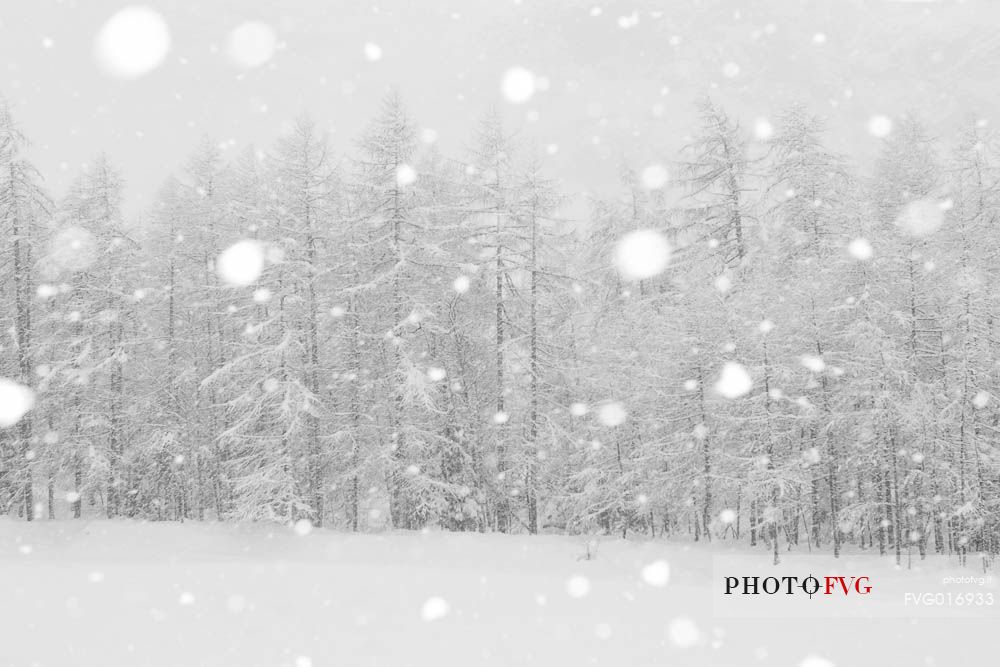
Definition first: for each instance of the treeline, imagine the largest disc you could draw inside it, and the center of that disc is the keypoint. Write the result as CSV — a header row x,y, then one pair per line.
x,y
397,337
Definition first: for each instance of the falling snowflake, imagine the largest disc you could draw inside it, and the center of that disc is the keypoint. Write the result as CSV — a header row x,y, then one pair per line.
x,y
303,527
251,44
981,399
373,52
434,608
656,573
921,218
578,586
518,85
683,632
813,363
762,129
727,516
15,401
654,177
879,126
241,263
405,175
816,661
612,414
723,283
642,254
734,381
46,292
860,249
133,42
628,21
461,284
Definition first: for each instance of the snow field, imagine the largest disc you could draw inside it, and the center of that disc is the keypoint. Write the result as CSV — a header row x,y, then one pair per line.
x,y
121,593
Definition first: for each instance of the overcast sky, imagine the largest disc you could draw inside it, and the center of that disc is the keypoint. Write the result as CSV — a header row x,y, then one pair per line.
x,y
622,75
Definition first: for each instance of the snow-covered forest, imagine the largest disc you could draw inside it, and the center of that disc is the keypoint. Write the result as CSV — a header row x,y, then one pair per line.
x,y
758,339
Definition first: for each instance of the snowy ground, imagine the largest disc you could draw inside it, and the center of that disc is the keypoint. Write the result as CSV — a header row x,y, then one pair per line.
x,y
109,593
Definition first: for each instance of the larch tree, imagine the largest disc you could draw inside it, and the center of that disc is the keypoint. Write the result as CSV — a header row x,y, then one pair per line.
x,y
24,207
